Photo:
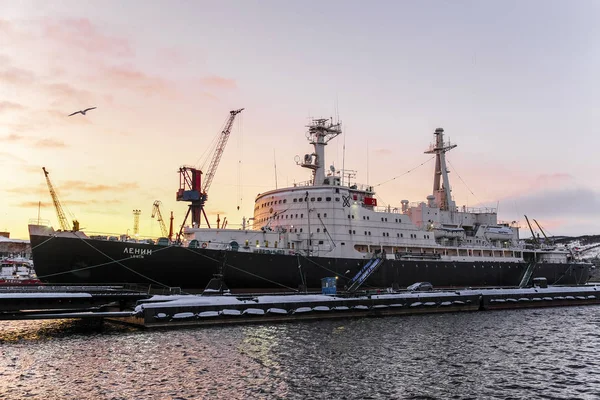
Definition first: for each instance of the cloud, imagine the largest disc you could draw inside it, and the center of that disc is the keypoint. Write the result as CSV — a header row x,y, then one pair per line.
x,y
65,91
221,213
81,186
556,203
49,143
16,76
13,137
82,34
383,152
10,106
219,82
11,157
136,80
30,204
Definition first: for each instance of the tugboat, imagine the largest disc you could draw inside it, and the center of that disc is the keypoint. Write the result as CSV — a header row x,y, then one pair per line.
x,y
325,227
17,271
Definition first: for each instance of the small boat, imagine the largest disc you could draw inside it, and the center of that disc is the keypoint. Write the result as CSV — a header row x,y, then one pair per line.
x,y
17,271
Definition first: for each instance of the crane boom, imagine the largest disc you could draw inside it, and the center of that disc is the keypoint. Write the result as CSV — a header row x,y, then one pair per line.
x,y
214,163
62,219
156,213
543,233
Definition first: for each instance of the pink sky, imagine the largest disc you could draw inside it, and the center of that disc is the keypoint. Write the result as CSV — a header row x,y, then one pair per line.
x,y
513,83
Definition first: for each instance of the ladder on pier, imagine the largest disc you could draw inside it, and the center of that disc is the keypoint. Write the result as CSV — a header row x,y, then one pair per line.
x,y
365,272
527,275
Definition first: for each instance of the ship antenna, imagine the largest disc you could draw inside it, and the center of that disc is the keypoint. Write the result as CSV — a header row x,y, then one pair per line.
x,y
275,165
344,158
367,162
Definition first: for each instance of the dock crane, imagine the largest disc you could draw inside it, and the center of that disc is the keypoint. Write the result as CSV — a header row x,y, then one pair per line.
x,y
156,213
548,240
62,219
191,188
533,238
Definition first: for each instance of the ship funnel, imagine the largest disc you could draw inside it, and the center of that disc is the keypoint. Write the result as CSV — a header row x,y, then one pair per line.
x,y
404,205
431,201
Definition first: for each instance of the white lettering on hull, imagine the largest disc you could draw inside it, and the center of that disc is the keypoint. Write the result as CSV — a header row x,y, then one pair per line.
x,y
136,252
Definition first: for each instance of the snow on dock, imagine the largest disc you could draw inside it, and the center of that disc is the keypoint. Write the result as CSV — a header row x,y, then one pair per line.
x,y
190,310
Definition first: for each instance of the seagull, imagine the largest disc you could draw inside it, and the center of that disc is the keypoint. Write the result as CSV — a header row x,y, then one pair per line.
x,y
82,112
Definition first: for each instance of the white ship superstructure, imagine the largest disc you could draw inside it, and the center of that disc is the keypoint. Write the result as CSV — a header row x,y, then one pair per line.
x,y
327,217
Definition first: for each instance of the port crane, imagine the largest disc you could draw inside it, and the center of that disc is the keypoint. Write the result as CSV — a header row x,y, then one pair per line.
x,y
163,228
191,187
62,219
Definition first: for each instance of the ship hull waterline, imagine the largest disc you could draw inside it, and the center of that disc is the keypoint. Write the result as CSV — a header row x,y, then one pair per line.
x,y
76,261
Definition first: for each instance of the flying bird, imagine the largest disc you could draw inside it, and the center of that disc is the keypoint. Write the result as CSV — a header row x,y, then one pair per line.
x,y
82,112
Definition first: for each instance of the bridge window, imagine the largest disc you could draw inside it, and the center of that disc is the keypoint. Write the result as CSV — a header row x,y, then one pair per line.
x,y
324,229
350,231
353,232
312,199
295,200
327,198
353,217
319,199
348,216
300,200
337,199
300,230
318,230
320,242
301,215
325,215
365,233
285,200
367,217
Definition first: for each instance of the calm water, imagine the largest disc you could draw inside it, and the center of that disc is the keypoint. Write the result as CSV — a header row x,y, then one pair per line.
x,y
526,354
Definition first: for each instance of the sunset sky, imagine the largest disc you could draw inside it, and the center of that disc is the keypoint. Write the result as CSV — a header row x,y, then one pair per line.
x,y
513,83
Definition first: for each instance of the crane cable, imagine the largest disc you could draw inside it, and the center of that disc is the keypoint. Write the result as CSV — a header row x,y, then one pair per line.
x,y
407,172
461,179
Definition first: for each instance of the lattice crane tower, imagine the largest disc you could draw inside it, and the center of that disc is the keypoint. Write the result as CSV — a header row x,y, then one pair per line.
x,y
136,222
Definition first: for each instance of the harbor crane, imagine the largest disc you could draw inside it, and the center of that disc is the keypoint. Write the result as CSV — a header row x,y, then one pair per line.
x,y
191,187
62,219
163,228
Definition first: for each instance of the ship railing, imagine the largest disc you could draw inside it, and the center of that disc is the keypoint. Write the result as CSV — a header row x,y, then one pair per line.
x,y
353,186
464,209
388,209
39,222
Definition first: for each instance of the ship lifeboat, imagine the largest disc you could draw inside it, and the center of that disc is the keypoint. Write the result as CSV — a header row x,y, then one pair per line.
x,y
498,233
451,233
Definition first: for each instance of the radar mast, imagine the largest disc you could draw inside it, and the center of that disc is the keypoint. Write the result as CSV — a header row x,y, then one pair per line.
x,y
320,132
441,189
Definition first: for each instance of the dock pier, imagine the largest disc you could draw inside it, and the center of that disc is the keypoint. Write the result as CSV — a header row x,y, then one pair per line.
x,y
169,311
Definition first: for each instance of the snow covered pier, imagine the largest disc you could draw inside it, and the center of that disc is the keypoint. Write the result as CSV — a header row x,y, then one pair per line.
x,y
174,311
143,310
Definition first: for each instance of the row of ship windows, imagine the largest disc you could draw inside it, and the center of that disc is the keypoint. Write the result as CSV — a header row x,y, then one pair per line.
x,y
298,200
288,216
387,234
383,219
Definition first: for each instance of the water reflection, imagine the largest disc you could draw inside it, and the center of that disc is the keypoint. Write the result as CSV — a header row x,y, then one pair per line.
x,y
508,354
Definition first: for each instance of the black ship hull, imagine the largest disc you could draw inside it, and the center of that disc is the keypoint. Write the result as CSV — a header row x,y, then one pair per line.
x,y
77,261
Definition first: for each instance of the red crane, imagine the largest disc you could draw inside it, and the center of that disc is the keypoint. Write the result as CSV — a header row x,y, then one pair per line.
x,y
191,188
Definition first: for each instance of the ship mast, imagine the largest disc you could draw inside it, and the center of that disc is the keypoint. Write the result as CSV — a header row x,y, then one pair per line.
x,y
441,190
320,132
